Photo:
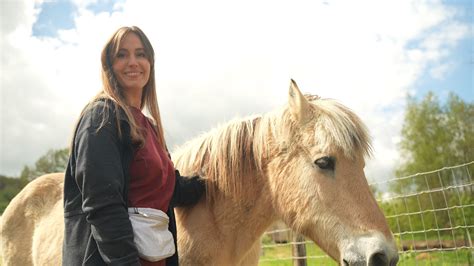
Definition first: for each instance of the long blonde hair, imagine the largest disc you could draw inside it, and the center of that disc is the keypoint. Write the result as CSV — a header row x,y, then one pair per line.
x,y
113,91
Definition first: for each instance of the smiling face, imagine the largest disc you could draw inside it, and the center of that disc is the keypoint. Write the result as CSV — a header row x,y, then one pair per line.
x,y
131,65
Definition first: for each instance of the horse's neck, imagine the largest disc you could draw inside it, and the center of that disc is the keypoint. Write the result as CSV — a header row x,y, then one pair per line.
x,y
243,222
229,226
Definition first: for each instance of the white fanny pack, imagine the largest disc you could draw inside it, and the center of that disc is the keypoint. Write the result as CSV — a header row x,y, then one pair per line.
x,y
151,235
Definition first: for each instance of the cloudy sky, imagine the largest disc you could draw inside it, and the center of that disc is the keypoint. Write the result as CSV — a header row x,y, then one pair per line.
x,y
217,60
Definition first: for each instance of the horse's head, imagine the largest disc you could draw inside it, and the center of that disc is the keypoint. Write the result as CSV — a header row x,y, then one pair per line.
x,y
318,184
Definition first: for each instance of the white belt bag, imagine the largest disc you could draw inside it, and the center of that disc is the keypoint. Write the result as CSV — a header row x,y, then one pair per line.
x,y
151,235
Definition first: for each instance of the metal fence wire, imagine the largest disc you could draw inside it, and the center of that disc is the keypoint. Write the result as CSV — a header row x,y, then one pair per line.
x,y
431,215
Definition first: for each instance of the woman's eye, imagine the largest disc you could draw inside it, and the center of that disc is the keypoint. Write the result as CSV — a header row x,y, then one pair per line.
x,y
141,55
326,163
120,55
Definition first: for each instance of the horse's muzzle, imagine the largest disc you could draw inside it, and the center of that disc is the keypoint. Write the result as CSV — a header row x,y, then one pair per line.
x,y
369,250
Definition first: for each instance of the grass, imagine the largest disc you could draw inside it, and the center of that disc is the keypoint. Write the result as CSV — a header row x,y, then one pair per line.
x,y
442,258
281,256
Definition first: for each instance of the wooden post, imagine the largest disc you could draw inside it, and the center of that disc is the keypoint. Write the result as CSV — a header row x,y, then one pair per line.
x,y
470,256
299,250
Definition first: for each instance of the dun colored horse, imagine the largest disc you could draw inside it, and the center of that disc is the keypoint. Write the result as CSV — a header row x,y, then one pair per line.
x,y
302,163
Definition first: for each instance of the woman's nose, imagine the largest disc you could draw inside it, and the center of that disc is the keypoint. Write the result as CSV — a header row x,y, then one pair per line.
x,y
132,61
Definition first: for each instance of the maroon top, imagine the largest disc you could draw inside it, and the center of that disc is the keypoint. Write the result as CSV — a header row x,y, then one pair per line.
x,y
152,173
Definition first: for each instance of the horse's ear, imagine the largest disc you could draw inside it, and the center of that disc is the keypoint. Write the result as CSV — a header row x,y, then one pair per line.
x,y
299,105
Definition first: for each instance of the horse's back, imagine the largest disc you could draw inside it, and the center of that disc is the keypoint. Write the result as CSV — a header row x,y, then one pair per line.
x,y
34,213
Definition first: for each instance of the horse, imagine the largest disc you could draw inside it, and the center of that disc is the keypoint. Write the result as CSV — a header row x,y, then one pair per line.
x,y
302,163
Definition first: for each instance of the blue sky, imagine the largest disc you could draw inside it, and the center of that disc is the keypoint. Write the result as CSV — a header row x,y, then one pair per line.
x,y
460,79
53,16
59,15
221,60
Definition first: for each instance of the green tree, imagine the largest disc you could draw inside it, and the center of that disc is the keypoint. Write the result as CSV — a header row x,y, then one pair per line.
x,y
53,161
433,136
9,187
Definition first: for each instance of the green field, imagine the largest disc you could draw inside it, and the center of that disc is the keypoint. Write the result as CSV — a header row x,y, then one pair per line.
x,y
281,256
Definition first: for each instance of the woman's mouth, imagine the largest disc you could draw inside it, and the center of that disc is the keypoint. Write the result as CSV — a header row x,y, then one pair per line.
x,y
132,74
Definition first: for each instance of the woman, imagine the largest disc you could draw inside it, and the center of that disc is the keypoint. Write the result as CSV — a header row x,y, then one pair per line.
x,y
119,160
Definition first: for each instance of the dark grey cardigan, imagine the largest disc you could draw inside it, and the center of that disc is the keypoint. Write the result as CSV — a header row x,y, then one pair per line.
x,y
97,227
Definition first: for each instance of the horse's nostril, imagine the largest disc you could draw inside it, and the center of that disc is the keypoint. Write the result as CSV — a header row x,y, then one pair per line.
x,y
394,261
378,259
345,262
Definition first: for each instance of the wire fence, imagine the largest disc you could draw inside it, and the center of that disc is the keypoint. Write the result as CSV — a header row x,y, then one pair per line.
x,y
431,216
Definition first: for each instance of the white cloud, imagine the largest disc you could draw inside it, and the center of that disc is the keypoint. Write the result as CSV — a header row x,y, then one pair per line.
x,y
217,60
440,71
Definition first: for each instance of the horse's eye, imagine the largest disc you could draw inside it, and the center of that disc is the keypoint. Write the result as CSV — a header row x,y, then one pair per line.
x,y
326,163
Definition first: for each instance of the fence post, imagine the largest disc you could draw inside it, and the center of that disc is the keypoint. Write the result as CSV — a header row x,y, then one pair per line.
x,y
299,250
470,255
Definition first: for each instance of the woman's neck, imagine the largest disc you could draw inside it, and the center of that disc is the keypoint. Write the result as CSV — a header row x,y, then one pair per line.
x,y
134,99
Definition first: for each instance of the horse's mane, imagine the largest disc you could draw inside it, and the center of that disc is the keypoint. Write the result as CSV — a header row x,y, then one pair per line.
x,y
339,126
242,146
